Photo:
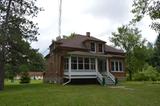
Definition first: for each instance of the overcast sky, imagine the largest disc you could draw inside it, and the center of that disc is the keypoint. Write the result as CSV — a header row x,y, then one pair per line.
x,y
100,17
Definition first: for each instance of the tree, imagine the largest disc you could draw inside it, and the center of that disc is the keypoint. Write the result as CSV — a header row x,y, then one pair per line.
x,y
129,39
147,7
16,30
36,61
155,61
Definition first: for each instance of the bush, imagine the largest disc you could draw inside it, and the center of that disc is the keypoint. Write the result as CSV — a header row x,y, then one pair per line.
x,y
140,77
148,74
25,78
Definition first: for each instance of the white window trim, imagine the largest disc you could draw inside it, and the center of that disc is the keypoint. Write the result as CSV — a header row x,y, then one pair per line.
x,y
114,61
83,63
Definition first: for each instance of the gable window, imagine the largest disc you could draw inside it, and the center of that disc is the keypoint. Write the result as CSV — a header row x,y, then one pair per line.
x,y
93,47
116,66
100,48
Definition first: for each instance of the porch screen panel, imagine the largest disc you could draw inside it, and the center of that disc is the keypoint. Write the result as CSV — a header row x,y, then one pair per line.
x,y
93,63
80,63
66,63
73,62
86,63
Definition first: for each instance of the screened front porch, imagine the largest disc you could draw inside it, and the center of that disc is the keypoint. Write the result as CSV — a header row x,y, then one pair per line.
x,y
80,67
88,65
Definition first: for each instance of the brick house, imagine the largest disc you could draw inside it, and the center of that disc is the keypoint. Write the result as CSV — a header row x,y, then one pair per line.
x,y
84,57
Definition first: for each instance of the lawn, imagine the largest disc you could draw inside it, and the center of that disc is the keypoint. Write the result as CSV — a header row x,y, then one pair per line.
x,y
38,94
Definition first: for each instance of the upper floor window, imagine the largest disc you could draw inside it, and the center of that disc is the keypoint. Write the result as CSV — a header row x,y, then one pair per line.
x,y
100,46
93,47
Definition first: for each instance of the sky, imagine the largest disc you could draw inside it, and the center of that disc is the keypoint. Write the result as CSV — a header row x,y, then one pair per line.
x,y
99,17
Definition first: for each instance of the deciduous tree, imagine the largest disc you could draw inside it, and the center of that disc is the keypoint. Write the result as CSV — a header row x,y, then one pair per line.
x,y
141,8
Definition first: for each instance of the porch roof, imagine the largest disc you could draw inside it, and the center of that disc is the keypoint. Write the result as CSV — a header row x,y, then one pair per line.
x,y
92,54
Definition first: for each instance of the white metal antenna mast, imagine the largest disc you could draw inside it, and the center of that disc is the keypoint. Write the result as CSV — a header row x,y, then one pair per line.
x,y
60,18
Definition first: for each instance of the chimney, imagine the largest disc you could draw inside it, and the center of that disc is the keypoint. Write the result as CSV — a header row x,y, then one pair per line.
x,y
88,34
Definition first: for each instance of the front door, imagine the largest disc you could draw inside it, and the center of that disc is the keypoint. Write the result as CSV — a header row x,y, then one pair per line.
x,y
101,65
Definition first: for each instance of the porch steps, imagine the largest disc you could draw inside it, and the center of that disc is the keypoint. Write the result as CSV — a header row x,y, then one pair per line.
x,y
109,81
104,79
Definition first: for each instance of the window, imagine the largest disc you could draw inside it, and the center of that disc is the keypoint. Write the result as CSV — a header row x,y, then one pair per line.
x,y
66,63
92,64
93,47
80,63
73,62
100,46
116,65
112,66
120,66
86,63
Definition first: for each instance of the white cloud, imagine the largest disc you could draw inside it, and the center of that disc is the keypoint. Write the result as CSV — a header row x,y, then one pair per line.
x,y
80,16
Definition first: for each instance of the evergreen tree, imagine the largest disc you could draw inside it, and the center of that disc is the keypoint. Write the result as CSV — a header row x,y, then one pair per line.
x,y
156,56
16,31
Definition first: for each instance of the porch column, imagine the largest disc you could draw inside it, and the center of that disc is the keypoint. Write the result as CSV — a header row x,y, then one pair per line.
x,y
107,65
96,64
69,71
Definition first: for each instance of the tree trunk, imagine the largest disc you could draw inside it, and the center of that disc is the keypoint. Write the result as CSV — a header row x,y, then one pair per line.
x,y
130,75
1,76
3,47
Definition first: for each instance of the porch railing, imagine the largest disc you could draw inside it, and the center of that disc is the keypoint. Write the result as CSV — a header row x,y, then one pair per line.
x,y
111,76
100,78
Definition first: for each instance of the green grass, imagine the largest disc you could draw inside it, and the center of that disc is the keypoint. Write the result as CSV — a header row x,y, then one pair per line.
x,y
38,94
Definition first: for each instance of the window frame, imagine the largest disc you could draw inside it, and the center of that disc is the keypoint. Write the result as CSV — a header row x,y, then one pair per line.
x,y
88,64
116,64
94,47
102,48
66,63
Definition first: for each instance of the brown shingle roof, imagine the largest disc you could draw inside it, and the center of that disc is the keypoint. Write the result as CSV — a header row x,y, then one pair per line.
x,y
77,41
110,49
35,73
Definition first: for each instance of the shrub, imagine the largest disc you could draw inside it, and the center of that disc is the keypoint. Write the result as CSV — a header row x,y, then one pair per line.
x,y
23,69
25,77
148,74
140,77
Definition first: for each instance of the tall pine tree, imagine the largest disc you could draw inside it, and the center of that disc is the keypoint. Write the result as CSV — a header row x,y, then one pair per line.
x,y
156,56
16,30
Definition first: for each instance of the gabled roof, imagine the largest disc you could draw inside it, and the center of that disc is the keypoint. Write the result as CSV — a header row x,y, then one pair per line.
x,y
77,41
